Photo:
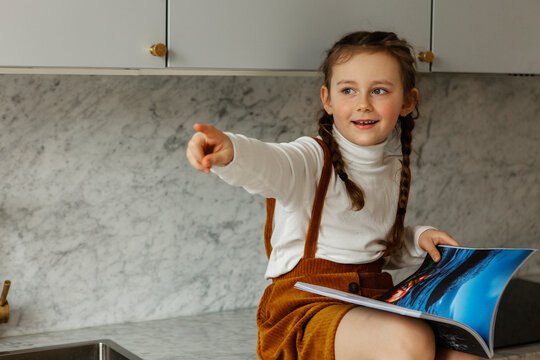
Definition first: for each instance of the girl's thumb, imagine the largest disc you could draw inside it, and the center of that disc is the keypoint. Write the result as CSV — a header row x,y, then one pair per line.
x,y
434,253
213,159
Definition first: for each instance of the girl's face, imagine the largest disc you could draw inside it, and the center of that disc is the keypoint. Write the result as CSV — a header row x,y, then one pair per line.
x,y
366,97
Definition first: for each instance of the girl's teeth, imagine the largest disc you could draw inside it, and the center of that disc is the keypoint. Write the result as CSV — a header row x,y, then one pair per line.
x,y
365,122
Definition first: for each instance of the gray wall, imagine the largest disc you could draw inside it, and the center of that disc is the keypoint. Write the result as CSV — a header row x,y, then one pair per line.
x,y
103,221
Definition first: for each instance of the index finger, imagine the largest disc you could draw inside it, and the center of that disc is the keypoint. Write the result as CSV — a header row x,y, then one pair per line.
x,y
445,239
208,130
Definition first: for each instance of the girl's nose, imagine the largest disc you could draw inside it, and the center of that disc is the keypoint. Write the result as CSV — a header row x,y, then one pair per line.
x,y
363,104
364,108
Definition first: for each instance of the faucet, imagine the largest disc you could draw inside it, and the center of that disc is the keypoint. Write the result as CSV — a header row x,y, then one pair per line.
x,y
4,306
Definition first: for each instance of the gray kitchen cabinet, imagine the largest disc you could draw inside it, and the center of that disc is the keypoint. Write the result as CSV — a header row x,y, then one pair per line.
x,y
81,33
480,36
283,34
486,36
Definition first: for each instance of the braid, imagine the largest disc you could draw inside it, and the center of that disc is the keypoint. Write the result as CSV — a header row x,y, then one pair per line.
x,y
326,132
395,238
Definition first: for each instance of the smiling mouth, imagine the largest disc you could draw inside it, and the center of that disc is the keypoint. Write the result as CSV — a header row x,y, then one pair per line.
x,y
365,122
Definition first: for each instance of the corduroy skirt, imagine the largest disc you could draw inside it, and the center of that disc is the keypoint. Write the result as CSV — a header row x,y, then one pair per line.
x,y
294,324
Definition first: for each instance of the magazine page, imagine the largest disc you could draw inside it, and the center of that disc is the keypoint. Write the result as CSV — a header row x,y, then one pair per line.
x,y
464,286
457,337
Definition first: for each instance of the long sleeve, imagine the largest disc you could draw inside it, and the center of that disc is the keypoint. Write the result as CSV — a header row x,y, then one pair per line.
x,y
287,172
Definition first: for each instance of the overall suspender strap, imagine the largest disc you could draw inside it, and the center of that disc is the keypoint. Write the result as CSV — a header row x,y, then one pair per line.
x,y
270,206
316,211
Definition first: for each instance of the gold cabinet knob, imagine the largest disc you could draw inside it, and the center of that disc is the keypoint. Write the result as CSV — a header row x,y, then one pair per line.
x,y
158,50
426,56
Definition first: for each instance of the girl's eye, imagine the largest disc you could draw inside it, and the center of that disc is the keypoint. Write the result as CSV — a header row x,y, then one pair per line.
x,y
379,91
348,91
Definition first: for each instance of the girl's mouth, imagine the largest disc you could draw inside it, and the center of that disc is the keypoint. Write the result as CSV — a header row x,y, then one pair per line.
x,y
365,124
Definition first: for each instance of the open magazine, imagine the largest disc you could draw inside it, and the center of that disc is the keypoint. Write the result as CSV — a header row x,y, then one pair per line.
x,y
458,296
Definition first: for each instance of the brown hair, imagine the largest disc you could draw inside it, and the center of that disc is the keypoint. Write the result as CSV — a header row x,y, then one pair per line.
x,y
341,52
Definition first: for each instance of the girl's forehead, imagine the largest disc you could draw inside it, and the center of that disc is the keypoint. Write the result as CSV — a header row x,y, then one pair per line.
x,y
365,65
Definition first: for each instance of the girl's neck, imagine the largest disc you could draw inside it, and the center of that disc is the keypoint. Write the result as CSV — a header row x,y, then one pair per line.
x,y
360,155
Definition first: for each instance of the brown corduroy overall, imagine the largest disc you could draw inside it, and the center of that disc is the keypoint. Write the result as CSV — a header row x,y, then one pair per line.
x,y
294,324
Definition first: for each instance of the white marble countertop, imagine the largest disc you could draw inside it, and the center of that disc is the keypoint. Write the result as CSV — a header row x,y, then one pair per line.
x,y
224,335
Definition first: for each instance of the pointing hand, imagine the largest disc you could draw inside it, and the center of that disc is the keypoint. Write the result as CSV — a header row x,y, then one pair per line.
x,y
209,147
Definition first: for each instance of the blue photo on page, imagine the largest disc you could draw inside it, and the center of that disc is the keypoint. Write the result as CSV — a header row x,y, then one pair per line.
x,y
464,286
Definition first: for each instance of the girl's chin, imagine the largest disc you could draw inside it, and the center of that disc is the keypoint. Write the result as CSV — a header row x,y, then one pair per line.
x,y
366,141
364,136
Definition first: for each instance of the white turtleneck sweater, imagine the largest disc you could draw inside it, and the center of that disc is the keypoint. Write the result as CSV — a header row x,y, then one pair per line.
x,y
289,172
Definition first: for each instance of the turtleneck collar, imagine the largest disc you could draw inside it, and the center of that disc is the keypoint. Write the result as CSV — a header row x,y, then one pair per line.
x,y
360,155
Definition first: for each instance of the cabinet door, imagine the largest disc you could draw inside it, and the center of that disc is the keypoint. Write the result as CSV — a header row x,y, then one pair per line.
x,y
81,33
283,34
486,36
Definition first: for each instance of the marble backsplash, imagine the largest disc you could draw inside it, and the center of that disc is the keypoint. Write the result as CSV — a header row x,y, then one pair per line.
x,y
103,221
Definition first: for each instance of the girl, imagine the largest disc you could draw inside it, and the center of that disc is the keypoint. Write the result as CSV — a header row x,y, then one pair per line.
x,y
369,89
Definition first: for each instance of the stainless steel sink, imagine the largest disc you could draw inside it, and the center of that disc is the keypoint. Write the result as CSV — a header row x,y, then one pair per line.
x,y
91,350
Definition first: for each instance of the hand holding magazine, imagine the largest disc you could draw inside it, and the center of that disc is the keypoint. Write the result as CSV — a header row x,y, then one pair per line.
x,y
458,296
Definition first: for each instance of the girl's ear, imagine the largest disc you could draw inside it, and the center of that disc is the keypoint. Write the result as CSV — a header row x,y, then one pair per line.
x,y
409,103
325,98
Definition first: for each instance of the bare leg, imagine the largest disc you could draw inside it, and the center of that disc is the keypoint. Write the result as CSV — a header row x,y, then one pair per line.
x,y
445,354
369,334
